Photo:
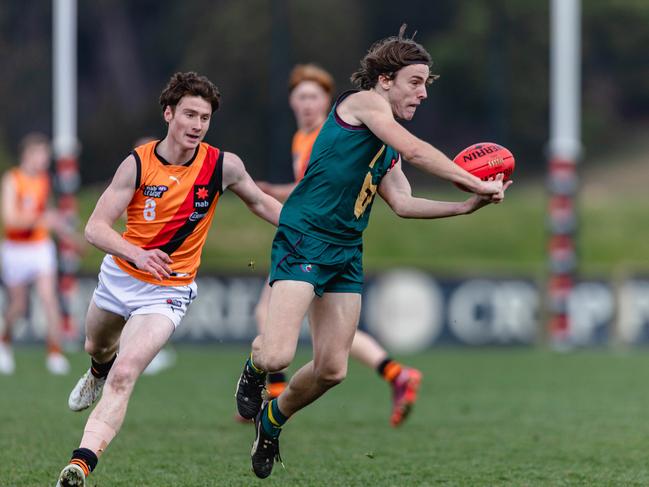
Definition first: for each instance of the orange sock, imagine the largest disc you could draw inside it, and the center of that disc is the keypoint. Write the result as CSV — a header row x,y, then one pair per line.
x,y
85,459
81,463
389,369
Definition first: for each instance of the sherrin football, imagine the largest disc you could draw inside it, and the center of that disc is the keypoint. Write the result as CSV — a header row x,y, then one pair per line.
x,y
485,160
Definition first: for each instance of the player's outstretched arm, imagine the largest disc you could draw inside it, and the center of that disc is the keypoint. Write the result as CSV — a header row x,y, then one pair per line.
x,y
395,189
278,191
374,111
110,206
237,180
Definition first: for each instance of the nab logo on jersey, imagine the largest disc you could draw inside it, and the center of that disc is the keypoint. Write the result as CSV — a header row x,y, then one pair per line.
x,y
201,202
201,194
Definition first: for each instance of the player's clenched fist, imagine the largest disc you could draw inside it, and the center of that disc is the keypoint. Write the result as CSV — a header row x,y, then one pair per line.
x,y
155,261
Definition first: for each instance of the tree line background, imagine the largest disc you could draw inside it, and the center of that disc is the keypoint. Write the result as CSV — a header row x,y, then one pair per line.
x,y
492,55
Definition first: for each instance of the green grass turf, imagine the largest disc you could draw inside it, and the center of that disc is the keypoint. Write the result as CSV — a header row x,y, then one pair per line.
x,y
505,417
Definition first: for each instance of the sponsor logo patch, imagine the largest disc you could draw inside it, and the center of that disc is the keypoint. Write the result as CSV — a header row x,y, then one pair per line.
x,y
201,202
200,196
195,216
155,191
306,267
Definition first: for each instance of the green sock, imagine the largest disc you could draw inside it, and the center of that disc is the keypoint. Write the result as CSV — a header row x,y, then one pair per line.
x,y
253,368
272,419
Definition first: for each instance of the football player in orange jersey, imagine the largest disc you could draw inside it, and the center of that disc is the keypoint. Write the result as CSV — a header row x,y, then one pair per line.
x,y
169,189
310,91
28,252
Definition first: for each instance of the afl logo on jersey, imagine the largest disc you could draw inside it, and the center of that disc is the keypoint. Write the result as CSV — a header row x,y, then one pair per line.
x,y
155,191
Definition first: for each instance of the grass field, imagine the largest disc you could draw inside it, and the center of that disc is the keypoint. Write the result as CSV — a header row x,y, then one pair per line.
x,y
501,417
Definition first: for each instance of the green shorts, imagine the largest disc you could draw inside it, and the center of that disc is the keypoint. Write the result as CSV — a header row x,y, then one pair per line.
x,y
329,267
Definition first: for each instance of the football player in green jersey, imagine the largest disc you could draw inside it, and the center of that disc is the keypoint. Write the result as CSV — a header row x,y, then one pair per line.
x,y
310,92
316,261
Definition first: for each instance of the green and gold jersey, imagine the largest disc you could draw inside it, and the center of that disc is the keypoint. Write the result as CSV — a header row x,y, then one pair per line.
x,y
334,199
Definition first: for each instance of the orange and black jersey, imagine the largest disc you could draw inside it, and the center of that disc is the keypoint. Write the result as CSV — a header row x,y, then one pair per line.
x,y
31,195
172,209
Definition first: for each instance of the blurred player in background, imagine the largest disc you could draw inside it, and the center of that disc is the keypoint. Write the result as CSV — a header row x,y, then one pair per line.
x,y
169,189
310,92
316,260
28,252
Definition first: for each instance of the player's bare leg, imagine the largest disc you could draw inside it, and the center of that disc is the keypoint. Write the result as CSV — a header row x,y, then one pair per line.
x,y
271,351
261,309
103,330
333,320
403,380
141,339
46,288
275,348
367,350
16,307
275,381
